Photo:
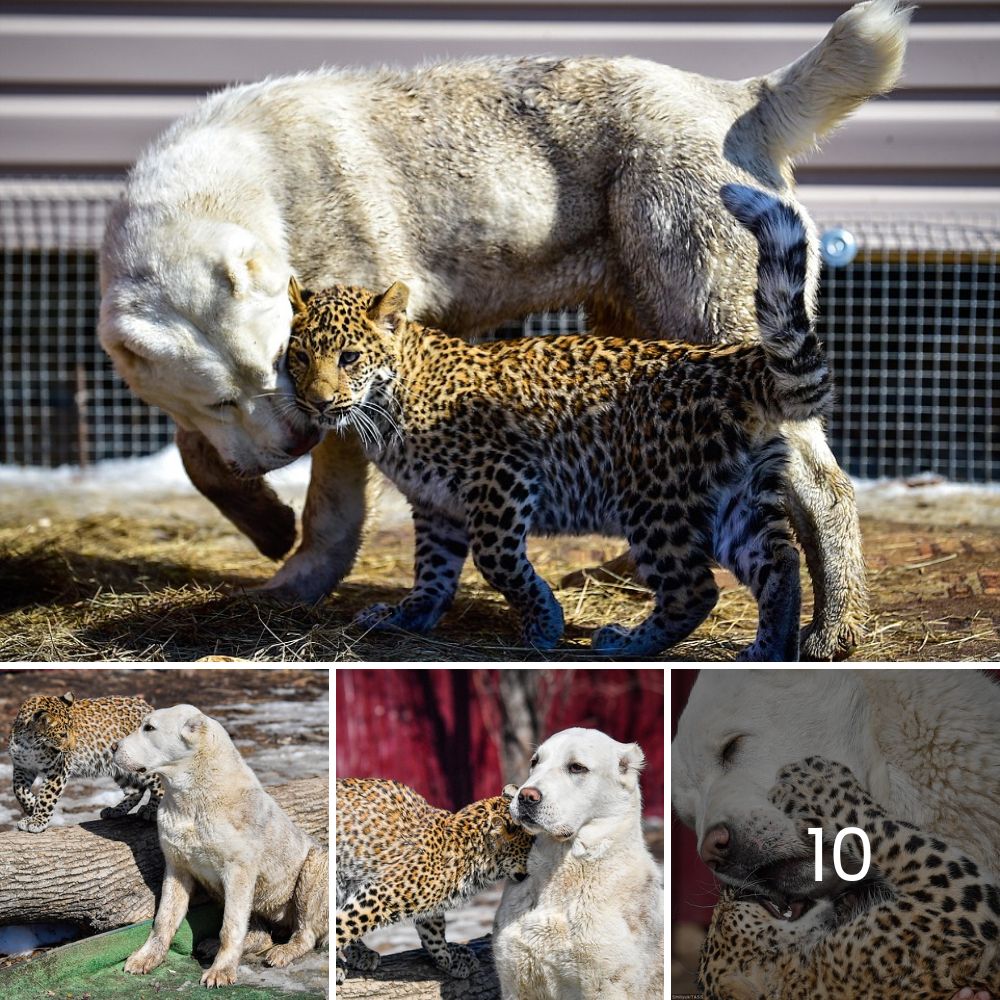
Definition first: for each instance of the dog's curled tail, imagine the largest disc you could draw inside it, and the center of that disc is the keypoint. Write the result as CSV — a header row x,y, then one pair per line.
x,y
795,356
860,56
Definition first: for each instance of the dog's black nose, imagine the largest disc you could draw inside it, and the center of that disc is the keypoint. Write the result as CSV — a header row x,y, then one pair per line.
x,y
529,796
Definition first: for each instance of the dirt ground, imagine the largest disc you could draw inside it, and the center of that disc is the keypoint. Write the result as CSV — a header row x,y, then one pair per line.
x,y
165,578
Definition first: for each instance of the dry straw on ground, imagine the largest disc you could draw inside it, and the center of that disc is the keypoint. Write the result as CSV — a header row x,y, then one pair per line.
x,y
168,581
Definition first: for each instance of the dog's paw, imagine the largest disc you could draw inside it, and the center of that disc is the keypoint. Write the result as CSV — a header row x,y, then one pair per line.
x,y
142,961
224,975
284,954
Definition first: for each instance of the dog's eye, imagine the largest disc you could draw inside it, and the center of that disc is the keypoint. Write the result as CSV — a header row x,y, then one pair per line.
x,y
148,728
348,358
729,750
576,768
533,761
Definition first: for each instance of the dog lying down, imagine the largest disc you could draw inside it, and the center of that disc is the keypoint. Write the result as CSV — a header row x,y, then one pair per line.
x,y
220,828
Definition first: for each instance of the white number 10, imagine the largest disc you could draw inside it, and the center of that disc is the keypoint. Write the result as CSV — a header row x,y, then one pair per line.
x,y
866,853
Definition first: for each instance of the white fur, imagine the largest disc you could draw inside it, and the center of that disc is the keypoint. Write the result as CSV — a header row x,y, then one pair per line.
x,y
493,188
923,742
219,827
587,923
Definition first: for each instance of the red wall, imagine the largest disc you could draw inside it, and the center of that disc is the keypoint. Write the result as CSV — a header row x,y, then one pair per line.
x,y
436,730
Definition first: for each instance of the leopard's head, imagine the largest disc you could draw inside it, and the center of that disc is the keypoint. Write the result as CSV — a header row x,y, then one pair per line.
x,y
44,723
341,349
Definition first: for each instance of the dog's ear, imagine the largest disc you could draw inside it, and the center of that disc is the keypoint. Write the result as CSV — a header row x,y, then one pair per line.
x,y
194,728
631,761
389,308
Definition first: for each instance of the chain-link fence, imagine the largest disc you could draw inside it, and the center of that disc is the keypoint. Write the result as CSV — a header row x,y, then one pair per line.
x,y
910,325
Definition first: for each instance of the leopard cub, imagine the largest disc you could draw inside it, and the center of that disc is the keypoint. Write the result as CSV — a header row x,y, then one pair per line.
x,y
60,738
399,857
677,447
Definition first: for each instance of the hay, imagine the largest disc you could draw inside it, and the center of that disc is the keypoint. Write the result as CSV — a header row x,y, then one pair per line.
x,y
170,582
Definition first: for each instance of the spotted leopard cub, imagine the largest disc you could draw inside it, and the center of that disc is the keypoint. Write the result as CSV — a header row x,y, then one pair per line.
x,y
399,857
677,447
62,738
926,924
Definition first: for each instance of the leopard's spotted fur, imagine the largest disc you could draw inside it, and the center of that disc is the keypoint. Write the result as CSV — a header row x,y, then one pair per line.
x,y
931,929
677,447
399,857
60,738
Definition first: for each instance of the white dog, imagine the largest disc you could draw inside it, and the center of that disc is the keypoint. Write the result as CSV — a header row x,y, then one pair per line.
x,y
588,921
923,742
493,188
219,827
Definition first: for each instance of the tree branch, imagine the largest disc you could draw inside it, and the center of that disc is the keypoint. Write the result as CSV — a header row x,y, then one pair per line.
x,y
106,873
411,975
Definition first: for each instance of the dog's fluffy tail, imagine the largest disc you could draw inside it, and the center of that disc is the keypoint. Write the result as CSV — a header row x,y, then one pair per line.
x,y
795,356
861,56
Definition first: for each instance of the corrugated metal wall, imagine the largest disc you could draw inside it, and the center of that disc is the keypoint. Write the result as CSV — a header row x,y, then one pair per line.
x,y
911,325
83,86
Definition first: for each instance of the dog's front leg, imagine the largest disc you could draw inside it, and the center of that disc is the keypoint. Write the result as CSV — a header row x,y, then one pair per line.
x,y
251,504
174,897
237,884
332,523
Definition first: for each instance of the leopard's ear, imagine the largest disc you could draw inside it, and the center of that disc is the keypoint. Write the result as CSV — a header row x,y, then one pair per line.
x,y
389,308
298,296
67,698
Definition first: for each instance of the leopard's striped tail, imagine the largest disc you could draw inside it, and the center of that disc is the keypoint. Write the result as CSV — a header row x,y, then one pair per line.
x,y
795,356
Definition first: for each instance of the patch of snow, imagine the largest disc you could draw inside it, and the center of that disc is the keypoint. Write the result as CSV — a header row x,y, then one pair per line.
x,y
926,484
20,939
276,765
159,474
279,718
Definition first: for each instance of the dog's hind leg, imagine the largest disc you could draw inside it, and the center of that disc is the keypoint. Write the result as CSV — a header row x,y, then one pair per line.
x,y
311,917
820,503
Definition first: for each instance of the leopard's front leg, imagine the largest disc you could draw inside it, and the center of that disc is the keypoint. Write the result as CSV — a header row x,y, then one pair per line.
x,y
45,803
458,960
23,780
441,546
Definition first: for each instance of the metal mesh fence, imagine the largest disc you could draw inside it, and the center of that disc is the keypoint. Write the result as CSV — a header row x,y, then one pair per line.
x,y
911,326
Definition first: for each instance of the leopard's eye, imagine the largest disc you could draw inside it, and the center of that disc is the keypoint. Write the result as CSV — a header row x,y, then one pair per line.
x,y
38,716
302,357
348,358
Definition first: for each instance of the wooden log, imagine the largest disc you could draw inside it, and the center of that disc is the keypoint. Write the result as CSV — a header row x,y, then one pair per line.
x,y
411,975
106,873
